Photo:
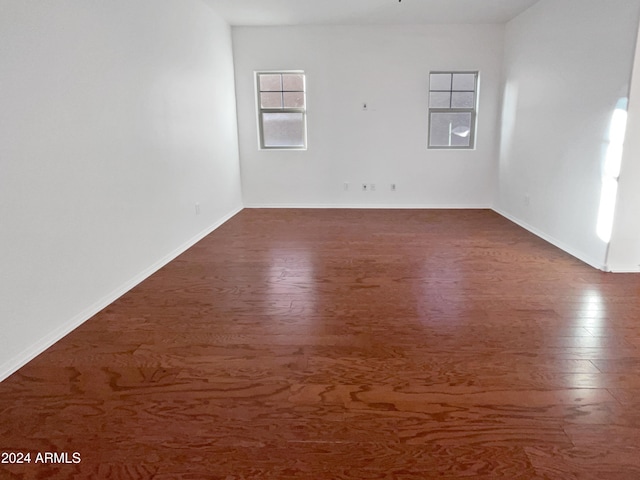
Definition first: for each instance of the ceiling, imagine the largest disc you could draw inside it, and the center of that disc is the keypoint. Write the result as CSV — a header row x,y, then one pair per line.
x,y
366,12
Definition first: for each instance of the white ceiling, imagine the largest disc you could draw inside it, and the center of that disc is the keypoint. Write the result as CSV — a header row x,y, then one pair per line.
x,y
341,12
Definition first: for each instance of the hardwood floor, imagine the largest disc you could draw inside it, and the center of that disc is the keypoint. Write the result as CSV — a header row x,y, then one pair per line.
x,y
345,344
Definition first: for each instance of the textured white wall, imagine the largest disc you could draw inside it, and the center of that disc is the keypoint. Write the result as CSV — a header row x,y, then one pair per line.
x,y
387,67
117,117
567,63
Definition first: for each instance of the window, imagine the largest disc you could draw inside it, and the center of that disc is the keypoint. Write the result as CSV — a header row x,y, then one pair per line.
x,y
282,114
452,109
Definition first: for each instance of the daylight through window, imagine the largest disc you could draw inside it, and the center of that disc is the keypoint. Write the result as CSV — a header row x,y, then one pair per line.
x,y
452,109
282,110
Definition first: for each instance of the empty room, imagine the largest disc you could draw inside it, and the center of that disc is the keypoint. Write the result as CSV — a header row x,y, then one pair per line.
x,y
303,239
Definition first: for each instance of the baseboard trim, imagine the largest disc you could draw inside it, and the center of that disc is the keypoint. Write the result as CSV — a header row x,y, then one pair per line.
x,y
554,241
622,269
384,206
11,366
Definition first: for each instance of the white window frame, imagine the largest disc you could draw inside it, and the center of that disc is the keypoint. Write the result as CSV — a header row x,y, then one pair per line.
x,y
261,111
472,110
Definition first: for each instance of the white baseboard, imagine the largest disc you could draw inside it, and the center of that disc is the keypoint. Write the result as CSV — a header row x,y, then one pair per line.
x,y
48,340
622,269
382,206
554,241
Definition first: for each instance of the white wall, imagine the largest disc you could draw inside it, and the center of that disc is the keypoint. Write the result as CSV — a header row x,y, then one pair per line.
x,y
116,118
624,251
567,62
387,67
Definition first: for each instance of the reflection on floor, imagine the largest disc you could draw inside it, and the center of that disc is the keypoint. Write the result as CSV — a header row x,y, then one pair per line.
x,y
345,344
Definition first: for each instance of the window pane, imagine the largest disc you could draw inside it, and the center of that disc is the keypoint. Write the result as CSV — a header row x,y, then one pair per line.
x,y
283,129
440,81
270,82
464,81
271,100
293,99
450,129
293,82
440,100
463,100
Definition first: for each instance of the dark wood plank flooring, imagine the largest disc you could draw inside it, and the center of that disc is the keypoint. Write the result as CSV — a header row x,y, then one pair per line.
x,y
345,344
